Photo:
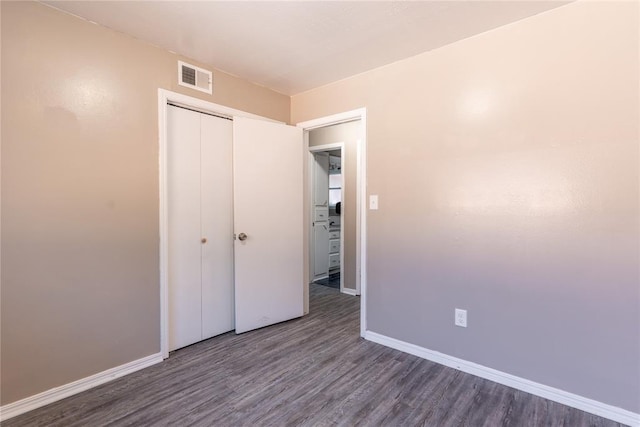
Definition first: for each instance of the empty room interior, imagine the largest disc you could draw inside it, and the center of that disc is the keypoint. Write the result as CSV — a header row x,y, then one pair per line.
x,y
320,213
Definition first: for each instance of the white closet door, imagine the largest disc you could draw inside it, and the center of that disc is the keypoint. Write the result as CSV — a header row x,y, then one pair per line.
x,y
268,209
217,225
183,186
200,215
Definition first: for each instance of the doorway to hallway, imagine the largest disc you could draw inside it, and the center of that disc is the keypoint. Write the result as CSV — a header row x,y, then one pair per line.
x,y
335,194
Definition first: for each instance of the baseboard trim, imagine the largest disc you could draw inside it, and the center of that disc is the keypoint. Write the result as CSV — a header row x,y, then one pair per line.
x,y
349,291
575,401
58,393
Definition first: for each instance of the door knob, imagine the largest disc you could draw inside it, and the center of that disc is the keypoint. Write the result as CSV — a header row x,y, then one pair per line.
x,y
203,240
242,237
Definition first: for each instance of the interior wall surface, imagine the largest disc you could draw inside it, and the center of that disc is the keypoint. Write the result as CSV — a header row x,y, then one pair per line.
x,y
506,166
80,229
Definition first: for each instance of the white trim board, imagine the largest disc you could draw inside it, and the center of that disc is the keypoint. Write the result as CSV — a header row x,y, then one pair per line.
x,y
349,291
564,397
334,119
165,96
58,393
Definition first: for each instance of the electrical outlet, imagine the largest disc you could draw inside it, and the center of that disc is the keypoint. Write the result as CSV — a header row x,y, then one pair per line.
x,y
461,318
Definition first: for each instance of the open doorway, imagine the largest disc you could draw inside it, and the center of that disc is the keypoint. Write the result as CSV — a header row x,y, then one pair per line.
x,y
327,243
335,225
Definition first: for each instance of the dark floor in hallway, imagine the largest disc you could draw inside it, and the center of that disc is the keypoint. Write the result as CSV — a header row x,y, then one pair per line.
x,y
333,281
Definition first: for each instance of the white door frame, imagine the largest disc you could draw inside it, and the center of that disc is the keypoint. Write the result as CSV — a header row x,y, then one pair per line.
x,y
310,220
164,97
361,198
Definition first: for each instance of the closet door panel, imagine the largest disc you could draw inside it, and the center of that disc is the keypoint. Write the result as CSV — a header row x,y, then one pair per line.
x,y
183,182
268,203
217,225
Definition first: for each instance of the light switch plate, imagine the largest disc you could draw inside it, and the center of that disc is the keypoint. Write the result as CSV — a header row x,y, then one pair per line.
x,y
373,202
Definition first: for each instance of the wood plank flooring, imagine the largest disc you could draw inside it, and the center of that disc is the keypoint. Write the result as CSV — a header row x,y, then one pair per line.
x,y
313,371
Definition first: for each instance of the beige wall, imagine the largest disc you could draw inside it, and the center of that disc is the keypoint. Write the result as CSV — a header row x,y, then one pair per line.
x,y
80,285
349,134
507,170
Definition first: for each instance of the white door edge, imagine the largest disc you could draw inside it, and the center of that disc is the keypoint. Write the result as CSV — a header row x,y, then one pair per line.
x,y
361,196
164,97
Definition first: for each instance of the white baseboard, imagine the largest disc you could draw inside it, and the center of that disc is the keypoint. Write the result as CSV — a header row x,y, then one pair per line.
x,y
58,393
349,291
575,401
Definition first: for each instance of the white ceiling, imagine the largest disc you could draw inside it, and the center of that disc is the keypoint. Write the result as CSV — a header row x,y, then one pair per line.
x,y
294,46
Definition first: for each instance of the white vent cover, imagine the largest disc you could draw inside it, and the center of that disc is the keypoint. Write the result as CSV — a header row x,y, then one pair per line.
x,y
195,77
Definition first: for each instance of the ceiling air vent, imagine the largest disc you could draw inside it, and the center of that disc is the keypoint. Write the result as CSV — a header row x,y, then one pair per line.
x,y
195,77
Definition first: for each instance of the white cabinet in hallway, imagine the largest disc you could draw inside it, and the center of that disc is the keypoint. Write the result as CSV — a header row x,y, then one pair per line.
x,y
334,251
334,246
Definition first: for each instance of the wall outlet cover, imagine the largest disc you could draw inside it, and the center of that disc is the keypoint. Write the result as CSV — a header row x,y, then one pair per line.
x,y
460,318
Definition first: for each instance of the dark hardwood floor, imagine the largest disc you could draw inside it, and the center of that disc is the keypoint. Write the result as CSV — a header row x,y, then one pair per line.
x,y
333,281
314,371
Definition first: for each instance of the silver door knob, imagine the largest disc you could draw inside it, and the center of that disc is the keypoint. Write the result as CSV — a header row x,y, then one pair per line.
x,y
242,237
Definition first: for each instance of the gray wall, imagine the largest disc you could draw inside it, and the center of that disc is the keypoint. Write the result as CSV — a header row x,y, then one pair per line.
x,y
348,133
80,248
507,170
